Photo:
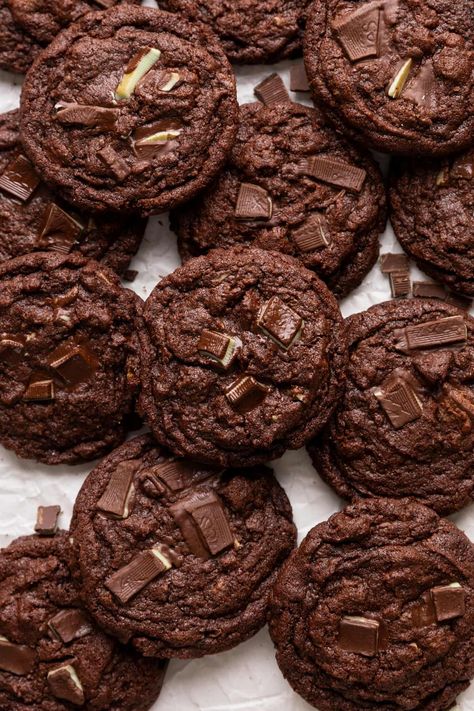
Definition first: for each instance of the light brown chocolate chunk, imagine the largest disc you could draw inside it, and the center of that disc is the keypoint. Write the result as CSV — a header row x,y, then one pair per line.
x,y
399,401
334,171
279,322
312,234
359,635
298,78
218,346
400,284
421,90
16,658
429,289
73,363
114,161
246,393
65,684
394,263
19,179
47,520
203,523
116,498
69,625
449,601
60,231
40,391
431,334
358,31
129,580
253,203
96,116
272,91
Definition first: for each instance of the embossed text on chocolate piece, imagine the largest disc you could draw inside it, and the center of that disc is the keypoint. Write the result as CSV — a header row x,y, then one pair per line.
x,y
399,401
203,523
400,284
83,115
272,91
358,31
279,322
119,490
177,474
19,179
47,520
432,334
359,635
449,601
246,393
65,684
60,231
68,625
72,362
312,234
334,171
253,203
39,391
16,658
133,577
218,346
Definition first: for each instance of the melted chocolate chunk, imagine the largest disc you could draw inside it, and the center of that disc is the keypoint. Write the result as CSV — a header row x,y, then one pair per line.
x,y
129,580
246,393
203,523
47,520
313,233
399,401
394,263
60,231
463,398
114,161
98,116
272,91
334,171
421,90
65,684
359,635
19,178
279,322
69,625
253,203
116,498
218,346
358,31
434,366
449,601
73,363
16,658
443,331
39,390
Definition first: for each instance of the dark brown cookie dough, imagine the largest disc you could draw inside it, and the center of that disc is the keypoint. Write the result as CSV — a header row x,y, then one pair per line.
x,y
396,74
432,213
251,31
52,656
40,221
176,557
110,140
17,48
405,426
242,357
376,610
332,227
68,357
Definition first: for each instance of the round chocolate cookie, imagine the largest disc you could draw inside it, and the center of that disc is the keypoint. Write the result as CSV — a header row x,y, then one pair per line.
x,y
405,426
177,558
432,212
32,218
17,48
52,656
375,610
243,356
292,185
250,32
130,109
68,357
396,74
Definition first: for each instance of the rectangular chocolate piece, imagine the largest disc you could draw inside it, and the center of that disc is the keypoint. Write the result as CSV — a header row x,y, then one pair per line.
x,y
441,332
358,31
19,178
47,520
218,346
449,601
400,284
298,78
428,289
16,658
399,402
272,91
73,363
279,322
423,613
69,625
39,390
334,171
65,684
177,474
422,89
313,233
118,166
394,263
253,203
116,498
83,115
203,523
359,635
129,580
60,231
246,393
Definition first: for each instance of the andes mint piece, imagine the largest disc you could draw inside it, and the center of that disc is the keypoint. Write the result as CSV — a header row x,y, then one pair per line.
x,y
114,161
298,78
47,520
139,65
218,346
39,390
394,263
432,334
359,635
399,401
157,138
272,91
60,231
72,363
176,475
69,625
433,366
117,496
462,302
398,83
19,178
358,31
279,322
129,580
423,613
98,116
449,601
443,176
246,393
11,349
334,171
65,684
168,81
253,203
203,523
428,289
400,284
313,233
463,168
16,658
421,90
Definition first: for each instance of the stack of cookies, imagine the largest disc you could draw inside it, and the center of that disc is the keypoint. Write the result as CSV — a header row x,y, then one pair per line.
x,y
182,541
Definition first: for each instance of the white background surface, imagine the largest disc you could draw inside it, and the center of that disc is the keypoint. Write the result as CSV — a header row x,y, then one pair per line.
x,y
246,678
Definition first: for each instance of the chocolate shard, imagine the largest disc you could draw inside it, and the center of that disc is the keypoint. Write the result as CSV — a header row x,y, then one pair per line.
x,y
400,284
421,89
157,138
253,203
138,66
449,601
432,334
60,231
428,289
394,263
81,115
39,390
73,363
69,625
463,167
16,658
47,520
334,171
65,684
119,491
359,635
312,234
19,179
358,31
399,401
298,78
400,79
218,346
11,349
114,161
203,523
129,580
279,322
272,91
177,474
423,613
434,366
246,393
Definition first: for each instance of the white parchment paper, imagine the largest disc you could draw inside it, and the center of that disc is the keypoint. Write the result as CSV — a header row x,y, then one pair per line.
x,y
246,678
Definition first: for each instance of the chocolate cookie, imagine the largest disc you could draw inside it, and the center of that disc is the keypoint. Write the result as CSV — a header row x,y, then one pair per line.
x,y
178,558
17,48
396,74
67,357
32,218
432,212
242,357
130,109
52,656
376,610
250,32
405,426
324,201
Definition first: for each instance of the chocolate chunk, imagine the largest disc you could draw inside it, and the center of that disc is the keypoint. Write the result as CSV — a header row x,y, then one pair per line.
x,y
116,498
334,172
272,91
298,78
218,346
253,203
60,231
421,89
130,275
69,625
246,393
156,139
98,116
139,65
463,398
19,178
166,81
39,390
47,520
359,635
434,366
463,168
462,302
72,363
279,322
423,613
11,349
129,580
443,176
65,684
358,31
203,523
449,601
313,233
399,401
114,161
428,289
16,658
176,475
394,263
431,334
400,283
